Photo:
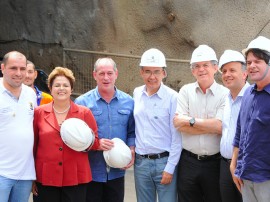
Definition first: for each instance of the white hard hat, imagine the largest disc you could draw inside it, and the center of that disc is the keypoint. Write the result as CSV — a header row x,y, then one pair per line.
x,y
203,53
119,156
231,56
76,134
260,42
153,58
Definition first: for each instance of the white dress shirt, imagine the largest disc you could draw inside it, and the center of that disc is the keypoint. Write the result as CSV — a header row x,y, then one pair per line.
x,y
229,122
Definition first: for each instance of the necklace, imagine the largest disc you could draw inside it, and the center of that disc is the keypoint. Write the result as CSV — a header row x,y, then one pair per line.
x,y
62,111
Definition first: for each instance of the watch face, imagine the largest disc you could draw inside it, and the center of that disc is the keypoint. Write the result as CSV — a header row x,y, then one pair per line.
x,y
192,121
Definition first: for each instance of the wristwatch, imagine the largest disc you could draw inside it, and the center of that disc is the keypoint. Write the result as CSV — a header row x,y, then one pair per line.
x,y
192,121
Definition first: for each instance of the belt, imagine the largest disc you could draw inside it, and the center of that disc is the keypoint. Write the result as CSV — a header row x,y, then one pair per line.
x,y
155,156
201,157
227,160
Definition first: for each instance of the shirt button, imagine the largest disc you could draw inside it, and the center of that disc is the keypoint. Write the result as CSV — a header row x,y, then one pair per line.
x,y
60,148
60,163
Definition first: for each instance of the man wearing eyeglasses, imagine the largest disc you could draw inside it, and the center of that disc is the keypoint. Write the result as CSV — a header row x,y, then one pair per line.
x,y
198,117
158,144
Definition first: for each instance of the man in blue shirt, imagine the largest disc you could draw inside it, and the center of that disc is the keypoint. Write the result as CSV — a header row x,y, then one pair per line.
x,y
113,111
250,166
158,144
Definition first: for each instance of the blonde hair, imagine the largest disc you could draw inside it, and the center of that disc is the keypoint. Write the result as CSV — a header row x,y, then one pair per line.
x,y
61,71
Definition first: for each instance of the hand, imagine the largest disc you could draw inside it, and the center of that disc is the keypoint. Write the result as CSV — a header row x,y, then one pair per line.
x,y
132,149
34,188
105,144
180,121
237,181
166,178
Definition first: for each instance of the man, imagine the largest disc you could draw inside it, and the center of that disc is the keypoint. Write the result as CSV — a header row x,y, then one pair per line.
x,y
232,64
113,111
199,119
250,164
31,75
17,103
158,144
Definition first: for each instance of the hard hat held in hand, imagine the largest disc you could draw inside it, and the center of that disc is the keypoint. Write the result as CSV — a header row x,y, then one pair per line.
x,y
203,53
119,156
76,134
231,56
153,58
260,42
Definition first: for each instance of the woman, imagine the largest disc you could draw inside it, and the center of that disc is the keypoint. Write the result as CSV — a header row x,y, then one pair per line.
x,y
62,173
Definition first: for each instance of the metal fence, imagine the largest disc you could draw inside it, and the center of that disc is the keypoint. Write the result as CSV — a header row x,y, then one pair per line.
x,y
81,62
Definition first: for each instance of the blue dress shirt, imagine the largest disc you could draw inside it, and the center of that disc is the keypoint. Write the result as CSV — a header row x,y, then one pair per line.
x,y
253,135
114,119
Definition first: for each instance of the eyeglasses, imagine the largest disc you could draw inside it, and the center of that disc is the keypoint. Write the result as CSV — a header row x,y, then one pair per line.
x,y
150,73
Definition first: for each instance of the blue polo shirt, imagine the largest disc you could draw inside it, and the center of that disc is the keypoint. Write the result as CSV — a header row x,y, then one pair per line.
x,y
253,135
114,119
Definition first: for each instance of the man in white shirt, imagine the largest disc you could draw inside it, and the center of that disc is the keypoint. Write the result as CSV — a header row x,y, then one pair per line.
x,y
199,119
232,65
17,102
158,144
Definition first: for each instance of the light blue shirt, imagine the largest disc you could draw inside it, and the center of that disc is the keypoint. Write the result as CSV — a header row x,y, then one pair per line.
x,y
155,132
229,121
114,119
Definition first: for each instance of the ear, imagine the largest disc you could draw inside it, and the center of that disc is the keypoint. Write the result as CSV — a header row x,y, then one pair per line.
x,y
36,73
94,74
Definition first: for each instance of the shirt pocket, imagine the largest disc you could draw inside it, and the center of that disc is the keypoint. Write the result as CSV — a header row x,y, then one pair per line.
x,y
161,114
98,116
123,116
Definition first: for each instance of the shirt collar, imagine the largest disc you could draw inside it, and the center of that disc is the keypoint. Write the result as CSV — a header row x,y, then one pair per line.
x,y
98,96
266,88
160,93
213,88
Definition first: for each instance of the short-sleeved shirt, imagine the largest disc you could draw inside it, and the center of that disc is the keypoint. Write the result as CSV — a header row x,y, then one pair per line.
x,y
253,135
16,134
210,105
114,119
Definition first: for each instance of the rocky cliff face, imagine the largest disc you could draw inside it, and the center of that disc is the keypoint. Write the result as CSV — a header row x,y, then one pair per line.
x,y
41,29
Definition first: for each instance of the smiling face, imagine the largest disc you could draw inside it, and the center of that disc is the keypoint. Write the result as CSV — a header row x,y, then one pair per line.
x,y
233,76
61,89
204,73
152,77
14,71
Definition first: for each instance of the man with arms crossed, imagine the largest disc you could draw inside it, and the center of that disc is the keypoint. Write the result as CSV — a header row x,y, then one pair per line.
x,y
232,65
17,102
199,119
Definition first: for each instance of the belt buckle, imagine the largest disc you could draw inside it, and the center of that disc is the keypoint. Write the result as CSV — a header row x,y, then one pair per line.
x,y
200,157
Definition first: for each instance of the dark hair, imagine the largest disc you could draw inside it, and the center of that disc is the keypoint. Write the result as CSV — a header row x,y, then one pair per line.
x,y
263,55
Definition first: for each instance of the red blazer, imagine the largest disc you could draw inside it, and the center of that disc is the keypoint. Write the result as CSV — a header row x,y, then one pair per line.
x,y
56,164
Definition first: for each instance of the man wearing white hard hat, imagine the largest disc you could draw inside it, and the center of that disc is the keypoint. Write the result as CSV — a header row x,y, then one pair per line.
x,y
198,117
250,166
113,111
232,65
158,144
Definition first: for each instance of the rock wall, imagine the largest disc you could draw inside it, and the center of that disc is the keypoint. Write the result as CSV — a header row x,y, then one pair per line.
x,y
41,29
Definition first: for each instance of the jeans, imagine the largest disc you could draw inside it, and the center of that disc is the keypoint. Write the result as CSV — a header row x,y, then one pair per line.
x,y
147,175
256,192
14,190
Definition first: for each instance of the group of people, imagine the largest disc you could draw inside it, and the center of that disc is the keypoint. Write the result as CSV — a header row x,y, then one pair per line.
x,y
207,143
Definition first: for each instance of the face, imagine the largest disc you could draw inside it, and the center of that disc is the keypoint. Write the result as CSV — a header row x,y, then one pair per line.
x,y
31,75
204,72
105,76
256,68
14,71
61,89
233,77
152,77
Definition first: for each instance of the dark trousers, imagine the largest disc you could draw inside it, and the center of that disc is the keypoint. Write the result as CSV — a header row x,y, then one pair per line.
x,y
228,190
61,194
198,180
112,190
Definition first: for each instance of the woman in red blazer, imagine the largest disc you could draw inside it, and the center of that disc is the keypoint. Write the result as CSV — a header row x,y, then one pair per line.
x,y
62,173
